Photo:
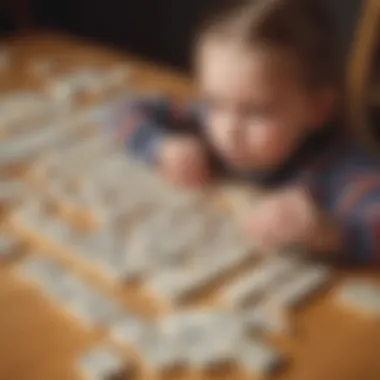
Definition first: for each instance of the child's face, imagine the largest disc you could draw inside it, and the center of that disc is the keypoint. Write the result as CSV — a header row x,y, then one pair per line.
x,y
257,111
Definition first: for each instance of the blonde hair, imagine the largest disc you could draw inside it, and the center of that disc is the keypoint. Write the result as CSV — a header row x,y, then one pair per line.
x,y
300,27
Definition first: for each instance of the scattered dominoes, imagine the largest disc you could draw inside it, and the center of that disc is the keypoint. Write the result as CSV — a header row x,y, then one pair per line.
x,y
207,339
87,304
159,352
140,230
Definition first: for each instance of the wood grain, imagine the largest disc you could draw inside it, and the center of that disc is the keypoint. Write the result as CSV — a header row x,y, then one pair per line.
x,y
39,342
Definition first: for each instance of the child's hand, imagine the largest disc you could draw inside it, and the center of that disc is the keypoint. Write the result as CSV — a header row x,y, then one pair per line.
x,y
291,218
184,161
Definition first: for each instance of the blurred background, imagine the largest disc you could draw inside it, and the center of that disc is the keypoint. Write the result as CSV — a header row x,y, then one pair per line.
x,y
160,30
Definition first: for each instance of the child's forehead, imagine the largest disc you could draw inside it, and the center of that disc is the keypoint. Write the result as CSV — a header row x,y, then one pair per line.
x,y
234,68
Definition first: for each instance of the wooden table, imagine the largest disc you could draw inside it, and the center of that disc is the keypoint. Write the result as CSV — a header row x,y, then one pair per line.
x,y
38,342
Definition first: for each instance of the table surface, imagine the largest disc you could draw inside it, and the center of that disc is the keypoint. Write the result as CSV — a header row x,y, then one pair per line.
x,y
39,342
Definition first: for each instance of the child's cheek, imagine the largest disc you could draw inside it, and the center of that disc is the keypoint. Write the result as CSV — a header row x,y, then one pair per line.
x,y
269,145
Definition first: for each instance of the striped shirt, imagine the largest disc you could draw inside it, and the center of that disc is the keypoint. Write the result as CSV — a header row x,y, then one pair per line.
x,y
342,177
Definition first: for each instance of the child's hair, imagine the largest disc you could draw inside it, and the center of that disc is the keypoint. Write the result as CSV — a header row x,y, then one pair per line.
x,y
301,27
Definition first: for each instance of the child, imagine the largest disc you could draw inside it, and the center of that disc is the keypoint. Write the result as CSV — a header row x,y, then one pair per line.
x,y
269,113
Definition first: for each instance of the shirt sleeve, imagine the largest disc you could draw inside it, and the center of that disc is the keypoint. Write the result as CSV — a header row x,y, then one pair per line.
x,y
359,216
141,124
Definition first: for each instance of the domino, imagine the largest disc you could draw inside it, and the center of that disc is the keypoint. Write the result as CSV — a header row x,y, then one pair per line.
x,y
207,338
102,363
34,217
55,230
170,284
266,318
257,283
92,308
259,359
304,284
361,295
23,147
38,270
189,327
210,270
85,303
128,328
177,284
160,353
210,354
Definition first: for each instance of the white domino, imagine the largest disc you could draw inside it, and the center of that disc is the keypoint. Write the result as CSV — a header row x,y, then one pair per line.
x,y
83,301
259,281
208,338
267,318
38,270
259,359
361,295
102,363
160,353
178,283
171,284
128,329
302,286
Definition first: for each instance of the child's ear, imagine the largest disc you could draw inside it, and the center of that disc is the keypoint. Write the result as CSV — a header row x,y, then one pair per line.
x,y
324,105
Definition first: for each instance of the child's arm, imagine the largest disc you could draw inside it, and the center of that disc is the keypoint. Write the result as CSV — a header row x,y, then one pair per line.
x,y
163,133
142,124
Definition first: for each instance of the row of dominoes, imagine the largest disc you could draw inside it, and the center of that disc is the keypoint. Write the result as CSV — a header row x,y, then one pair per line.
x,y
91,307
270,312
23,111
105,363
186,339
195,340
92,80
21,148
151,251
288,280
